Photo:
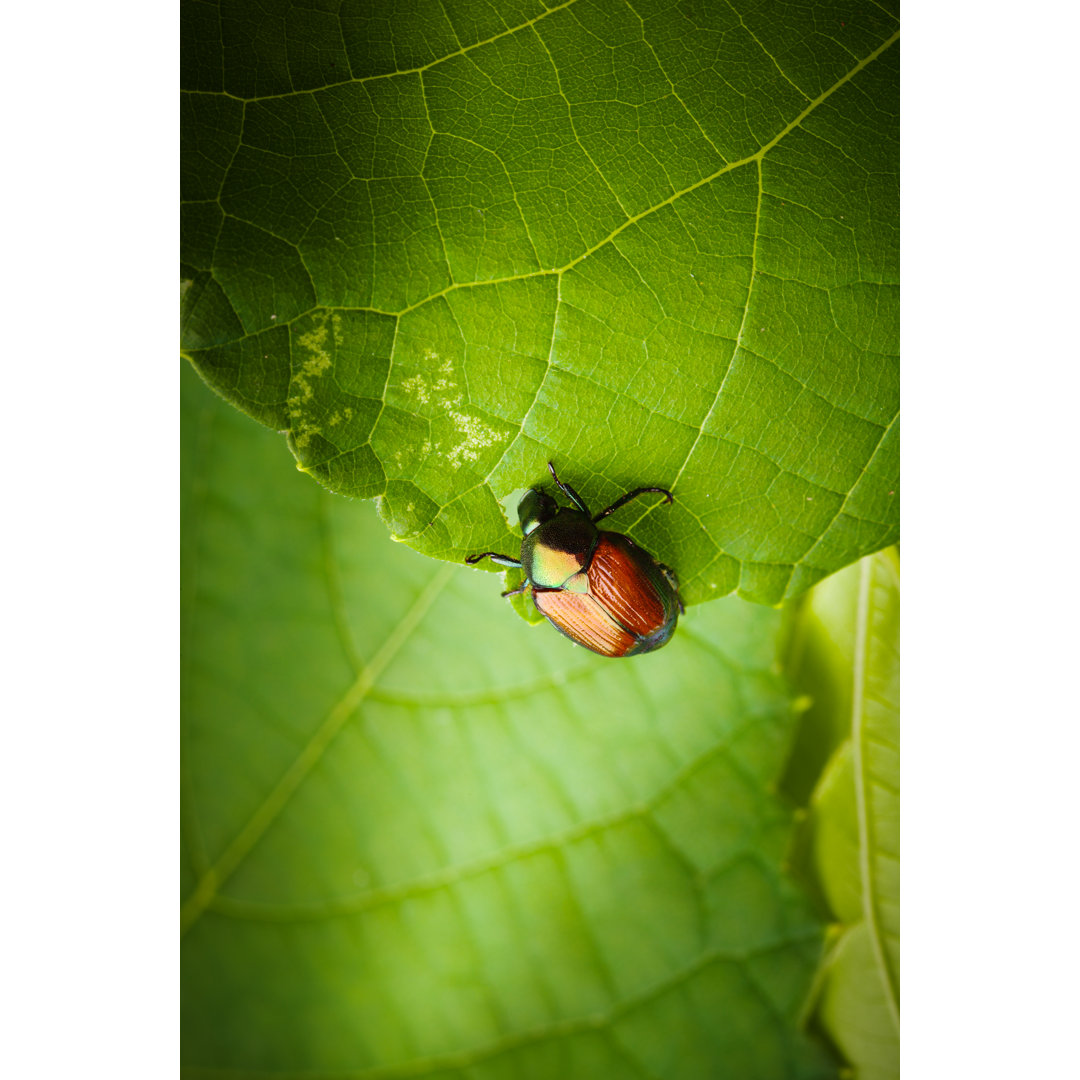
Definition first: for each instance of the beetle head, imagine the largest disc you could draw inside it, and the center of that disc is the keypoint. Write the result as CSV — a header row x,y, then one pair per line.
x,y
535,508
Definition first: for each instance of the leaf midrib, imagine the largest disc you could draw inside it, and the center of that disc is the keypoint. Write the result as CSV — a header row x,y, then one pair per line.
x,y
641,810
249,835
757,156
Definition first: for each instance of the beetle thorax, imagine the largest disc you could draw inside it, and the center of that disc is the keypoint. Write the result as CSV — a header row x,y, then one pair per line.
x,y
554,551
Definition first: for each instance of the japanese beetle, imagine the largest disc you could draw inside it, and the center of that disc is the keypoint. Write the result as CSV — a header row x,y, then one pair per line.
x,y
598,588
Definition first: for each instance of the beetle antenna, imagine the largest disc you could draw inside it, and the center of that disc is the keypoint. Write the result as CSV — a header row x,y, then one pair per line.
x,y
668,498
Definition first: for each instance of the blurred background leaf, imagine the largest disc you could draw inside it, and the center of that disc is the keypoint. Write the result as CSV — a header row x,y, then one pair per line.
x,y
843,653
422,838
441,244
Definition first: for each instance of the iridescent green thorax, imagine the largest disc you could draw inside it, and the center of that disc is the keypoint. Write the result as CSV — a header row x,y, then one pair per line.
x,y
560,547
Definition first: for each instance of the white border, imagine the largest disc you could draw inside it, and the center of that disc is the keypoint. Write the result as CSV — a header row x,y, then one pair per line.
x,y
90,688
989,393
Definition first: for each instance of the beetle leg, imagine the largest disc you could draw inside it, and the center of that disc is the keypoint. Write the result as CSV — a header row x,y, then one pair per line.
x,y
568,491
633,495
520,589
495,557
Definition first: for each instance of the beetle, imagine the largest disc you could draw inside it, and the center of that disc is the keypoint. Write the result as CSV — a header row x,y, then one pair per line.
x,y
597,587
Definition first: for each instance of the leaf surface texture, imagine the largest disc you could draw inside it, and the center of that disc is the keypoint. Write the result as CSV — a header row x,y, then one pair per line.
x,y
423,839
442,244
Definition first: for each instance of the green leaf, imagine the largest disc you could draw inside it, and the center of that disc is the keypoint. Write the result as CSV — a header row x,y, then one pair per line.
x,y
439,245
857,1010
424,839
845,651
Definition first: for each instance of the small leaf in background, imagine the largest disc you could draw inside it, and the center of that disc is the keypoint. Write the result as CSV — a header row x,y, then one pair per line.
x,y
844,653
439,245
423,839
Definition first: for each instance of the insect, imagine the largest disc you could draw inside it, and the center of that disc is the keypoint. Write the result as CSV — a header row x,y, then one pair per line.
x,y
598,588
